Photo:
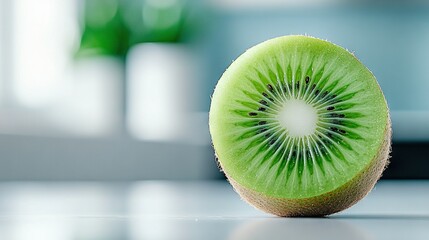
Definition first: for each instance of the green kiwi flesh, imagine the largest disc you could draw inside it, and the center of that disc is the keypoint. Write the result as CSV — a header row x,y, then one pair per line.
x,y
300,127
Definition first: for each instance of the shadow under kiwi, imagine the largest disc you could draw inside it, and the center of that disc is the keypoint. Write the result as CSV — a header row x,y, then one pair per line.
x,y
298,228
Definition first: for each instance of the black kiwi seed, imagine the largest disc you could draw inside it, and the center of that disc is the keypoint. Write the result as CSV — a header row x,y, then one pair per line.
x,y
263,102
334,129
262,130
262,109
307,79
313,86
297,85
272,141
317,92
330,108
270,87
336,121
262,122
266,95
342,131
324,94
252,114
337,115
332,98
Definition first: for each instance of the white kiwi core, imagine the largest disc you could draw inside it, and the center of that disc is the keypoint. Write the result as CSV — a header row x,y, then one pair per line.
x,y
298,118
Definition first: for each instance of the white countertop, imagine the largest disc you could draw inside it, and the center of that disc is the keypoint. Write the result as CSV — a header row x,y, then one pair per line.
x,y
197,210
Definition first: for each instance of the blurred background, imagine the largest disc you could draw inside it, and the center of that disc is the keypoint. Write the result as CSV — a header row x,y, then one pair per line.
x,y
120,89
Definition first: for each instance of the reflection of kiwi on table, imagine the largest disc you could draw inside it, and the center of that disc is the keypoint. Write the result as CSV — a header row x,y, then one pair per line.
x,y
305,228
300,127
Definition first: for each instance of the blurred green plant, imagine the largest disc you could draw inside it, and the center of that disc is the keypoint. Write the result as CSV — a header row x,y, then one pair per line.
x,y
111,27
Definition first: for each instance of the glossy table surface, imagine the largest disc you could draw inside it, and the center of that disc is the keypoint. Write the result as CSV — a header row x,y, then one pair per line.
x,y
197,210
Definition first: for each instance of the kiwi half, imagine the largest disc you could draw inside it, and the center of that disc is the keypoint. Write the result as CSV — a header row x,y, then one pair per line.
x,y
300,127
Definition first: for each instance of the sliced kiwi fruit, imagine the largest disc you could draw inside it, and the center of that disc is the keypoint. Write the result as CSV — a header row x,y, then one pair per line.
x,y
300,127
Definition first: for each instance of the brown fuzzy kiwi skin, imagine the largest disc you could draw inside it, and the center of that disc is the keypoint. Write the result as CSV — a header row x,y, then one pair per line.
x,y
327,203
